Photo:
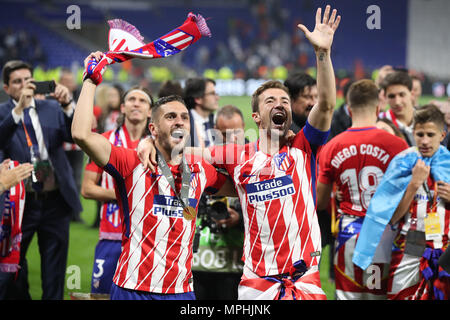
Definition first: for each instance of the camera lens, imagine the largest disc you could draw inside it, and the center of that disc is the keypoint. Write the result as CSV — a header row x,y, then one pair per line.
x,y
219,211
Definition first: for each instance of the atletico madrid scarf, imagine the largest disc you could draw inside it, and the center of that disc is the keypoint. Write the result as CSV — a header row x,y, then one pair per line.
x,y
125,42
11,213
300,283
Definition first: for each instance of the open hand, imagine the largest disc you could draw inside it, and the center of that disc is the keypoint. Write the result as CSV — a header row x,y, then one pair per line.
x,y
322,36
26,96
146,152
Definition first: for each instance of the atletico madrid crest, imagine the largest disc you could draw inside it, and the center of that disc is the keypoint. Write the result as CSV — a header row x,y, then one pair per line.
x,y
282,161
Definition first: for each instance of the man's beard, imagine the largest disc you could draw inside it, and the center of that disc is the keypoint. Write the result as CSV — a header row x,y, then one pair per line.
x,y
166,141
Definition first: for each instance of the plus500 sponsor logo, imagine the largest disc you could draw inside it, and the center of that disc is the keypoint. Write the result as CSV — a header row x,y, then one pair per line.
x,y
270,189
170,206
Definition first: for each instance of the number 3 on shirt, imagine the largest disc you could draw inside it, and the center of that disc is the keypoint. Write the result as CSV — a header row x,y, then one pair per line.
x,y
361,187
99,263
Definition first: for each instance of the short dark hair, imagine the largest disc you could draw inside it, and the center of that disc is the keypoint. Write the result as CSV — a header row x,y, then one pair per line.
x,y
397,78
228,111
164,100
170,87
297,82
195,88
12,66
429,113
363,93
271,84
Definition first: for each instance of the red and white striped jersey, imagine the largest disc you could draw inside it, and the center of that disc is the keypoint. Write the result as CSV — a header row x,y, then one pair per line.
x,y
278,198
110,216
11,215
356,161
157,243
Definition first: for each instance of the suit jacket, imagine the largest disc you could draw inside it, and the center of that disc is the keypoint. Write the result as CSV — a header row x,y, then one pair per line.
x,y
194,141
56,128
341,122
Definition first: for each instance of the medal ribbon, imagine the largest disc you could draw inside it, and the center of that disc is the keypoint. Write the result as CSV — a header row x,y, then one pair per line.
x,y
183,196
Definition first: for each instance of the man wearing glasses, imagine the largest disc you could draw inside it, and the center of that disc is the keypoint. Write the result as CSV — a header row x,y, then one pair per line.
x,y
202,100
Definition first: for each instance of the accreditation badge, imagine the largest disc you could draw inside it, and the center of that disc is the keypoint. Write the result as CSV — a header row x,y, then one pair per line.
x,y
432,226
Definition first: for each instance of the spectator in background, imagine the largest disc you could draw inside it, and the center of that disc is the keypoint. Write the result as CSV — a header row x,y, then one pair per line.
x,y
230,123
34,130
303,93
20,44
221,239
67,78
416,89
382,73
341,116
73,152
170,87
387,125
397,87
202,101
109,100
12,197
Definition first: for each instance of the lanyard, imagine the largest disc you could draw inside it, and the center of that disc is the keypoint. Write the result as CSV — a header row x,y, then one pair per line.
x,y
427,190
30,133
431,201
188,211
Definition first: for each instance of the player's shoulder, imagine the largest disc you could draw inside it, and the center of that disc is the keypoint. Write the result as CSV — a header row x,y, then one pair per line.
x,y
340,140
108,133
124,152
388,139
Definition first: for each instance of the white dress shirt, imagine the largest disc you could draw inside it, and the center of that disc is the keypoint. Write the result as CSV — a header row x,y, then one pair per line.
x,y
36,125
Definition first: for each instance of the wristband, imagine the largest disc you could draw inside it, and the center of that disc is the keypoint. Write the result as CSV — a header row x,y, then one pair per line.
x,y
94,71
66,104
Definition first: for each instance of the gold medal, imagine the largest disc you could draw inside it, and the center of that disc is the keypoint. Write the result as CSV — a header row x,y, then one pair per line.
x,y
189,213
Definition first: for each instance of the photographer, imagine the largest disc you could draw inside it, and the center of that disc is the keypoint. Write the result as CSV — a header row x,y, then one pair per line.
x,y
33,130
217,265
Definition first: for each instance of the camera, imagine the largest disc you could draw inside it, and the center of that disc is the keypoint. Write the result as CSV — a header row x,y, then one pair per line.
x,y
210,210
44,87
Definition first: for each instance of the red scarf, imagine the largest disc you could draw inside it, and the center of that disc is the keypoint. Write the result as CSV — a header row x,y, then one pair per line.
x,y
11,225
126,42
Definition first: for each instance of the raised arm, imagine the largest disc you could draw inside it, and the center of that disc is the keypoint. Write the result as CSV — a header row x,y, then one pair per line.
x,y
96,146
322,38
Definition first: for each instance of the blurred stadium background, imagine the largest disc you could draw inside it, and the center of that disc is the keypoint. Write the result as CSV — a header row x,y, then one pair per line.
x,y
252,40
